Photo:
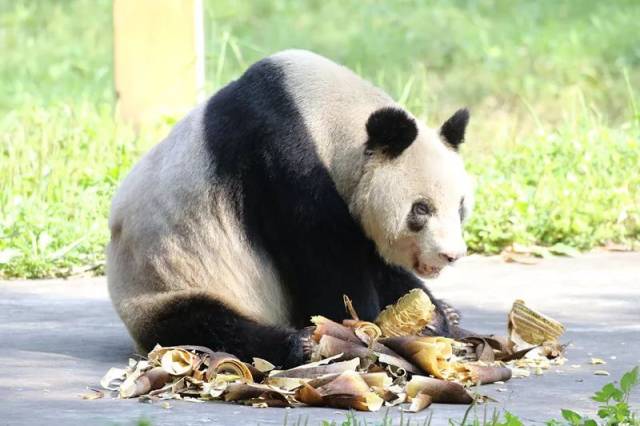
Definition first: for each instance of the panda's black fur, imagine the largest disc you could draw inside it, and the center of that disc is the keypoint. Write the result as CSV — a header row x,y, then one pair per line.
x,y
287,202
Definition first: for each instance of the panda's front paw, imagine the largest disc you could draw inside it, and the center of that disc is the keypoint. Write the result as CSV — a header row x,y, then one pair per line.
x,y
445,322
451,314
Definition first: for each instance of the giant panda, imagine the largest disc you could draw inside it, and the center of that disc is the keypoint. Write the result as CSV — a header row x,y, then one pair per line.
x,y
292,186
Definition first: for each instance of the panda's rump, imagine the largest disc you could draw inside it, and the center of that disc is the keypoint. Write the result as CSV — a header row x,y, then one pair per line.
x,y
174,230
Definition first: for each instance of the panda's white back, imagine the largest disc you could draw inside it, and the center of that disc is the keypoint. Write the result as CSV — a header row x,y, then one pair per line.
x,y
334,103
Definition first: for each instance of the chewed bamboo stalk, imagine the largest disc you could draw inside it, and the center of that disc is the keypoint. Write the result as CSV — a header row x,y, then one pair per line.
x,y
408,316
530,328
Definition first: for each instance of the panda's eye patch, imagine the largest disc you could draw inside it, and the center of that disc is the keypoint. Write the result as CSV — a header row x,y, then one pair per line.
x,y
421,208
420,212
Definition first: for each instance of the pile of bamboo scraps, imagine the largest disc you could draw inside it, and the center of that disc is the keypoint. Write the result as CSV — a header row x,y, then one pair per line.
x,y
355,364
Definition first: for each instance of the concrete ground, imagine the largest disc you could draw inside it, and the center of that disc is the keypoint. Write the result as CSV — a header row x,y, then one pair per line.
x,y
57,337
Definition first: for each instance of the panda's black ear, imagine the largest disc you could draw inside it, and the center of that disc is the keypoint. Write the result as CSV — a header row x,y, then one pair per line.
x,y
390,131
452,131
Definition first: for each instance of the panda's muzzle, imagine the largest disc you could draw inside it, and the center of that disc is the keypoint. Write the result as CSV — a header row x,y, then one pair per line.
x,y
424,270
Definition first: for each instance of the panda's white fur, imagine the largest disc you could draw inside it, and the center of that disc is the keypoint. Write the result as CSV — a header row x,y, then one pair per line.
x,y
427,169
165,239
380,192
178,235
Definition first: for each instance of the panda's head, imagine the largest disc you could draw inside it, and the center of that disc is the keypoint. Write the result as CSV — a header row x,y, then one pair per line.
x,y
414,192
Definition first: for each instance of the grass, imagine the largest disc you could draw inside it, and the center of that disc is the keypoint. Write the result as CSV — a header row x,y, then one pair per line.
x,y
554,140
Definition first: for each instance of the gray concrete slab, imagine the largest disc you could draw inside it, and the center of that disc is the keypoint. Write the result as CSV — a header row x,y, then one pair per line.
x,y
59,336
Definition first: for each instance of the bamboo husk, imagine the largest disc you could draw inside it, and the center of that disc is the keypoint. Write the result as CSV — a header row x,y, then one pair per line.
x,y
146,382
254,392
175,361
481,374
348,390
380,379
431,354
327,327
419,402
399,362
224,363
347,383
320,370
263,365
440,391
368,401
366,331
332,346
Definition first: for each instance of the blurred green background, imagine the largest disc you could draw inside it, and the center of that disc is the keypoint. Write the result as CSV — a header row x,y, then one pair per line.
x,y
552,85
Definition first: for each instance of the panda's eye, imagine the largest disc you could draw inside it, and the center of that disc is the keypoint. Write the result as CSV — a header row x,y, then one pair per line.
x,y
421,208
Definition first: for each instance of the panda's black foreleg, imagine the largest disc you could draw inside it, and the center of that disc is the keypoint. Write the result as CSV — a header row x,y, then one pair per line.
x,y
201,320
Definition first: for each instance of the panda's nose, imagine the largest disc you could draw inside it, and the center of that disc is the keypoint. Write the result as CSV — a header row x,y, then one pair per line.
x,y
450,257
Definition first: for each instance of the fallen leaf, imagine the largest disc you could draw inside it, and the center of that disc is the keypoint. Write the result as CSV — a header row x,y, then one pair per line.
x,y
523,259
598,361
564,250
601,373
93,394
610,246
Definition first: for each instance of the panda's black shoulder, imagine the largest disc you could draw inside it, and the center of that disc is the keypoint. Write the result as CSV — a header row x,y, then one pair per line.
x,y
253,114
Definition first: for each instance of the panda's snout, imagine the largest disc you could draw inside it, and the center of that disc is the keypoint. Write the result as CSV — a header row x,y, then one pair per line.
x,y
451,257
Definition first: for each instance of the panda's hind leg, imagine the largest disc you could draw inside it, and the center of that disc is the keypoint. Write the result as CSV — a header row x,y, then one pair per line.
x,y
200,319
